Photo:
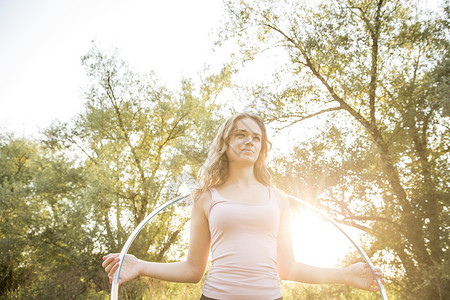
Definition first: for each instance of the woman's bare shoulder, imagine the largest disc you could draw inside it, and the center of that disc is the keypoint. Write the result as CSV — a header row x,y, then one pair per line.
x,y
204,196
203,201
282,197
279,193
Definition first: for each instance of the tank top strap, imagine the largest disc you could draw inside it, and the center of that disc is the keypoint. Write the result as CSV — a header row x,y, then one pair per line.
x,y
270,193
215,196
215,199
273,196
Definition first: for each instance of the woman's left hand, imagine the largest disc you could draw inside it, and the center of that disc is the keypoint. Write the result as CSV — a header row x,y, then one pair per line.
x,y
360,276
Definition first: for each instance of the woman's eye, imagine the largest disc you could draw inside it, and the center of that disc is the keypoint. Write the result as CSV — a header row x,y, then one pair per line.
x,y
257,138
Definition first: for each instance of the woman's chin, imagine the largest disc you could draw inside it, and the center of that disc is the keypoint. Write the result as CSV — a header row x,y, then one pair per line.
x,y
247,161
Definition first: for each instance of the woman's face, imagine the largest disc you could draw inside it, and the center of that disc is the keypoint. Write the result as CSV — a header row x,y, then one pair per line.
x,y
244,142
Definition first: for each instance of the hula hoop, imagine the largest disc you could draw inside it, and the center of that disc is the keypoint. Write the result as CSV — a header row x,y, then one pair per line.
x,y
115,281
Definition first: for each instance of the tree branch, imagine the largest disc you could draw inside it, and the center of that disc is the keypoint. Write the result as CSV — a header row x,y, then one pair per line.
x,y
309,64
375,34
302,118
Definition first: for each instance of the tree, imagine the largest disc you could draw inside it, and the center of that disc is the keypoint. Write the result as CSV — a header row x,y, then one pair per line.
x,y
14,213
139,143
45,238
382,67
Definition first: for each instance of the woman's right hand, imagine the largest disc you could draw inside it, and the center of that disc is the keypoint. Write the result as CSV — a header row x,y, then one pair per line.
x,y
360,276
130,267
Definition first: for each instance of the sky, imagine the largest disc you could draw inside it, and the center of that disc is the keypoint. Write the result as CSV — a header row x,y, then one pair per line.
x,y
42,41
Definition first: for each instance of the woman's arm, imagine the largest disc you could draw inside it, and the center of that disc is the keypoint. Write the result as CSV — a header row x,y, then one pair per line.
x,y
357,275
190,270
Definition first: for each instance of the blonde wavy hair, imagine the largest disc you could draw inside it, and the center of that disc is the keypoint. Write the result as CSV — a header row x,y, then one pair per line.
x,y
214,171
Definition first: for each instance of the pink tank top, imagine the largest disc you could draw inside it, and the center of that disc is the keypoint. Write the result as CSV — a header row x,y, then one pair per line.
x,y
243,249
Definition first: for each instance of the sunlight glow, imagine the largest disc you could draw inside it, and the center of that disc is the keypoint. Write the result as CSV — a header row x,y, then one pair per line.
x,y
317,242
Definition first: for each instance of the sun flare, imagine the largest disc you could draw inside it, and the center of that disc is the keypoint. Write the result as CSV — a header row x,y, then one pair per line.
x,y
318,242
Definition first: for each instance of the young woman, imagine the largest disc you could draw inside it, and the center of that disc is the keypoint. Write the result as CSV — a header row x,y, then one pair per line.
x,y
245,222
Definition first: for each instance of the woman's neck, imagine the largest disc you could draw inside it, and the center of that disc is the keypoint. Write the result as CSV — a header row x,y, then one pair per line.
x,y
241,175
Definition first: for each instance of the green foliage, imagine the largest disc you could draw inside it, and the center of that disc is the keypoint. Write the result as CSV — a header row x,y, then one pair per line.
x,y
170,290
45,237
15,212
293,290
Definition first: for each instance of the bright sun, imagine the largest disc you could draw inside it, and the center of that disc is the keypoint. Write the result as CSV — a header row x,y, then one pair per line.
x,y
318,242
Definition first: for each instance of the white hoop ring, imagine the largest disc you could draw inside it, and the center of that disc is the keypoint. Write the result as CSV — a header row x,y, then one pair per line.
x,y
115,281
